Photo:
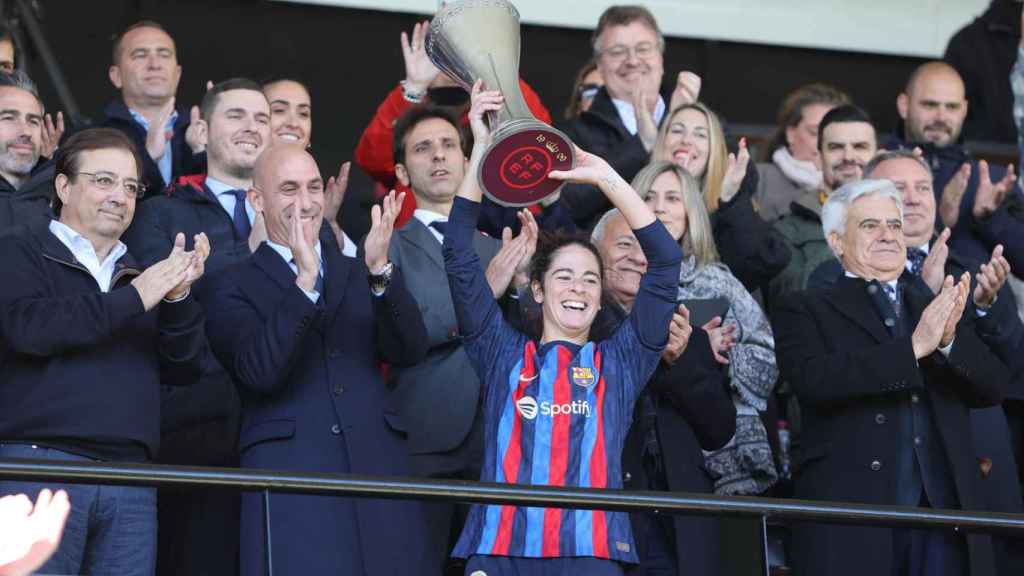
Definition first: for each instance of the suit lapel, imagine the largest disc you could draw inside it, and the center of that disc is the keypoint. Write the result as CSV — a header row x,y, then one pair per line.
x,y
417,237
850,298
336,272
274,266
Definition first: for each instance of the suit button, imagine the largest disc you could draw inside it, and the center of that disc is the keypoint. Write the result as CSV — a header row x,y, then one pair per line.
x,y
335,429
872,289
890,322
917,440
915,398
338,389
626,477
880,418
876,465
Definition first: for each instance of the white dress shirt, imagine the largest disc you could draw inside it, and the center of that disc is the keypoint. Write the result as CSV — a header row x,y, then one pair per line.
x,y
628,116
286,253
428,217
85,253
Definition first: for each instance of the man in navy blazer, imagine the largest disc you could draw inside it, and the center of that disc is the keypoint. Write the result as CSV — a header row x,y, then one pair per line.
x,y
301,329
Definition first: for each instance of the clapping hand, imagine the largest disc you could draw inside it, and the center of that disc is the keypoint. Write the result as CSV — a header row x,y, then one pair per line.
x,y
157,136
646,127
512,262
51,135
933,269
157,281
679,332
952,194
991,278
687,90
29,534
307,263
735,172
991,194
722,338
937,325
381,228
197,265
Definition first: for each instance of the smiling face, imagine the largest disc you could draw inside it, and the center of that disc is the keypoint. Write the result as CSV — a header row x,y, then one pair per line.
x,y
872,246
688,142
238,131
99,215
630,56
571,294
846,148
624,261
434,165
291,113
665,199
21,122
146,71
915,186
287,186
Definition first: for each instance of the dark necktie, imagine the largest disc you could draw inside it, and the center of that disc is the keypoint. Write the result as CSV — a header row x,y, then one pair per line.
x,y
441,226
240,218
893,293
916,258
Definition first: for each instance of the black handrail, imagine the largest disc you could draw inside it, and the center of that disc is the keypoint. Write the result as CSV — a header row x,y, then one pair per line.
x,y
419,489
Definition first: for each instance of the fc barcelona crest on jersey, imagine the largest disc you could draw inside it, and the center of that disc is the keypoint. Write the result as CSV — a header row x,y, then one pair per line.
x,y
582,376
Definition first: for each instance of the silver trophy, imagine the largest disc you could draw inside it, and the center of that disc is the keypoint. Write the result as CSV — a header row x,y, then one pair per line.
x,y
479,39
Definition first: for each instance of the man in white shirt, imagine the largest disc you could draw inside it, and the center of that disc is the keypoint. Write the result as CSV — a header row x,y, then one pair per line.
x,y
87,337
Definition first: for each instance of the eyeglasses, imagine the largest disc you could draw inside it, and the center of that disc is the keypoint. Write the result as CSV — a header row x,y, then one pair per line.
x,y
107,181
643,51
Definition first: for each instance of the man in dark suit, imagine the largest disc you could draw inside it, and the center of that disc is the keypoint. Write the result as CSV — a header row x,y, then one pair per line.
x,y
301,328
885,373
200,422
621,125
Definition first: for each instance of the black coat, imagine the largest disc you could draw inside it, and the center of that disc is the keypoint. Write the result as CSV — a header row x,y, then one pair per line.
x,y
693,411
851,378
29,202
983,52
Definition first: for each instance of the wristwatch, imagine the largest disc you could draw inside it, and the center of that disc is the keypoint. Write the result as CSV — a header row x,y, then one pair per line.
x,y
379,282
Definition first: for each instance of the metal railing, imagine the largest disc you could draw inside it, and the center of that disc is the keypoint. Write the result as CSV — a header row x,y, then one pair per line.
x,y
356,486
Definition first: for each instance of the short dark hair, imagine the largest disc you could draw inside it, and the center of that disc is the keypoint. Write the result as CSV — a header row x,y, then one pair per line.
x,y
839,115
116,54
67,160
412,118
212,96
624,16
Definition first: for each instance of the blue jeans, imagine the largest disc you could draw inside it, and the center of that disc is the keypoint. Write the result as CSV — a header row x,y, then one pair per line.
x,y
111,529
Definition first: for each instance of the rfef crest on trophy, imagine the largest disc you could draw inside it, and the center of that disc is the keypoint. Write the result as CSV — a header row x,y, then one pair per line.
x,y
479,39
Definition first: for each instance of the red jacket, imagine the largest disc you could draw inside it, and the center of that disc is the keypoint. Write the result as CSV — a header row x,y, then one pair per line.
x,y
373,153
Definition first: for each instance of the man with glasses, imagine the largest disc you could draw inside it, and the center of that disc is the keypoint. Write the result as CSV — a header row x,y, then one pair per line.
x,y
86,337
200,424
621,125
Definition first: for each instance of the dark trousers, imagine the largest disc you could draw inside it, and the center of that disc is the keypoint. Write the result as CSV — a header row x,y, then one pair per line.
x,y
447,518
928,552
510,566
110,530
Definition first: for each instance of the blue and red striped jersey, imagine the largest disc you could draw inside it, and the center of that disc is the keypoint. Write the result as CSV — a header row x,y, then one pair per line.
x,y
557,414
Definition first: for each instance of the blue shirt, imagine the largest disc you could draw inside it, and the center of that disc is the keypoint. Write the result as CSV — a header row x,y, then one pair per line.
x,y
166,162
223,193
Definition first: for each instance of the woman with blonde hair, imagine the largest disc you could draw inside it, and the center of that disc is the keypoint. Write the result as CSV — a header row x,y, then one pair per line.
x,y
692,138
744,465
